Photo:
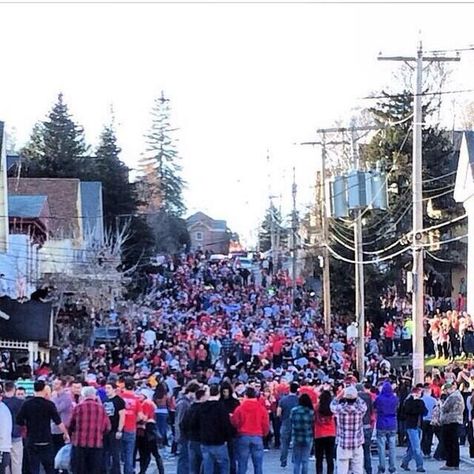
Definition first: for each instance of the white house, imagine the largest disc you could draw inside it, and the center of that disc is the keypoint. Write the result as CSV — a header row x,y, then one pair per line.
x,y
464,193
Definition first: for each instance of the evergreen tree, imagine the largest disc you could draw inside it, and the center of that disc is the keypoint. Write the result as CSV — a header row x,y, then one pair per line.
x,y
117,192
265,231
392,147
161,183
57,147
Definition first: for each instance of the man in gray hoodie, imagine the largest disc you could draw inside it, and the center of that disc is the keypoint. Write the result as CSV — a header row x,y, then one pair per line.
x,y
183,405
452,412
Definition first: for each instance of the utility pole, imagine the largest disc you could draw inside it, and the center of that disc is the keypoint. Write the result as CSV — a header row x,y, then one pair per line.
x,y
273,240
358,243
325,227
325,231
294,229
359,271
417,245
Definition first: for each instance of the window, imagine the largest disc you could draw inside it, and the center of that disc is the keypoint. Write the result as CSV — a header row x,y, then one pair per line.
x,y
198,235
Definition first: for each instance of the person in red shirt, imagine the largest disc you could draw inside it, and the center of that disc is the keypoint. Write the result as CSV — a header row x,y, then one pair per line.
x,y
389,329
133,413
252,423
147,440
324,433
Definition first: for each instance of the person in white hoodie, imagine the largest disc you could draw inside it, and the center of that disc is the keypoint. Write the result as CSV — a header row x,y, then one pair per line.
x,y
6,425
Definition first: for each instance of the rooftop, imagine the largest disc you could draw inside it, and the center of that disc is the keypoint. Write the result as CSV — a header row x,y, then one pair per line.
x,y
63,199
27,206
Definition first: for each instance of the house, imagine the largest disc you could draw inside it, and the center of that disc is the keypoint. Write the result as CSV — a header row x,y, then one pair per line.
x,y
457,270
75,221
64,198
464,193
208,234
24,228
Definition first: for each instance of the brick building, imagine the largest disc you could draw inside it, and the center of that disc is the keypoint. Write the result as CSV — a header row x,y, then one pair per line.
x,y
207,233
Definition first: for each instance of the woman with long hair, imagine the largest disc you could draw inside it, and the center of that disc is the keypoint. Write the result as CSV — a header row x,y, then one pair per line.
x,y
161,400
302,422
324,433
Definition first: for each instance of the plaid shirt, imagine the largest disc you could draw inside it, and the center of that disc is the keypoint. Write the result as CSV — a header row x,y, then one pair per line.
x,y
350,423
89,423
302,422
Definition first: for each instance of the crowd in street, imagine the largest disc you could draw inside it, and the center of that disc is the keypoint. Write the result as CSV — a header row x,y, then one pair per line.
x,y
216,369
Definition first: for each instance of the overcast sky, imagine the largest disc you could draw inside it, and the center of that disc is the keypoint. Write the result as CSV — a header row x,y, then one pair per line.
x,y
241,78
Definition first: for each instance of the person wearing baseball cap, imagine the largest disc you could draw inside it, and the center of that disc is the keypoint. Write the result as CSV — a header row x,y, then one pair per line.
x,y
349,410
414,410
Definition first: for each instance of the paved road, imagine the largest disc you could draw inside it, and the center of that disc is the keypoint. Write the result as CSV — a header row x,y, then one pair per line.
x,y
272,464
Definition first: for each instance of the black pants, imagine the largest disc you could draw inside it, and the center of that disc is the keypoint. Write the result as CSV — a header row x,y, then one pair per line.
x,y
440,452
40,455
450,434
147,444
470,439
276,423
324,447
87,460
112,453
426,438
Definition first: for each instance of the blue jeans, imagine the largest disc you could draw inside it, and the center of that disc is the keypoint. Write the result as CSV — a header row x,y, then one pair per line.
x,y
183,457
215,456
414,448
300,459
195,457
249,446
366,446
162,427
128,452
382,437
285,439
112,453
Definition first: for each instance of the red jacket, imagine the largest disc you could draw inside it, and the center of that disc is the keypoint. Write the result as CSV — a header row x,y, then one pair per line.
x,y
250,418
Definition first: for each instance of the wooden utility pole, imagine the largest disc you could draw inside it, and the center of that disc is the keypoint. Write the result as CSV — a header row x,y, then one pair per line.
x,y
325,228
417,246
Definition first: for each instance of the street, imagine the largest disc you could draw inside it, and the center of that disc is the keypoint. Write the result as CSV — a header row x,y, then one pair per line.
x,y
272,463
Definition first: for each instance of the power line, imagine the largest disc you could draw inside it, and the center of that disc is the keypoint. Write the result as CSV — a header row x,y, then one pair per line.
x,y
367,262
423,94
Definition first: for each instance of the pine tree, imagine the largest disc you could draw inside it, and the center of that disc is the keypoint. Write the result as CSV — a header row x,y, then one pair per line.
x,y
57,147
265,231
394,147
117,192
161,183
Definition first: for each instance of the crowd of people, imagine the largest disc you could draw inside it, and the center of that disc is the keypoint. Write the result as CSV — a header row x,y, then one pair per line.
x,y
220,366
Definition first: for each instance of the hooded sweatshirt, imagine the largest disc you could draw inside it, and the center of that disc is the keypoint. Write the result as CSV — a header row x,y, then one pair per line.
x,y
250,418
386,405
214,423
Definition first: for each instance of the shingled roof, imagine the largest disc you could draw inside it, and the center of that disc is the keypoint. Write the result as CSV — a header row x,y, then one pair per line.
x,y
63,199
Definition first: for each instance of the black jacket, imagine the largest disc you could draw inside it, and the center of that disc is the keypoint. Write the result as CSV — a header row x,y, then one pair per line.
x,y
214,423
190,424
414,410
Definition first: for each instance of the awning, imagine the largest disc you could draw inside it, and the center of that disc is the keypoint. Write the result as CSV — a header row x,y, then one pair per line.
x,y
30,321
